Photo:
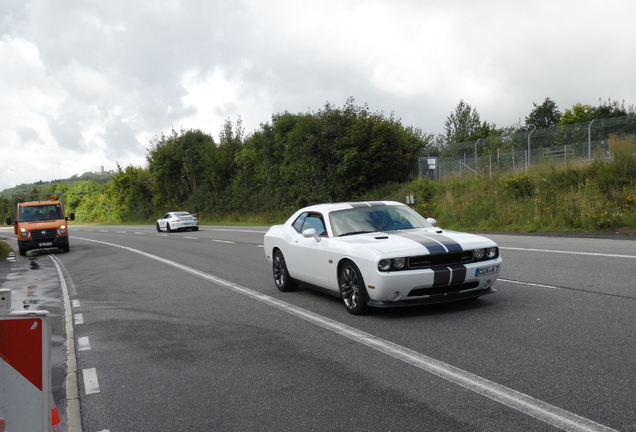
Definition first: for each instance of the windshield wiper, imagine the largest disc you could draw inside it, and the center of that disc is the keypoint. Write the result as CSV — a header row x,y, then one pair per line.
x,y
355,232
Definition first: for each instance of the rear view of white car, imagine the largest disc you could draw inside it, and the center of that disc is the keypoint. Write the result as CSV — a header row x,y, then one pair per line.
x,y
178,221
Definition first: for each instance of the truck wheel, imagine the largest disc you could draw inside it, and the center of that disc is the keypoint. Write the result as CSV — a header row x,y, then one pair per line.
x,y
66,248
22,251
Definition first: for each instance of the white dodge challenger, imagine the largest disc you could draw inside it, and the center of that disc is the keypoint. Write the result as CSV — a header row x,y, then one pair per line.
x,y
379,253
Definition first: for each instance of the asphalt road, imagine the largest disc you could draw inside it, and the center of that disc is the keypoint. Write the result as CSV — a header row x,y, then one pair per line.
x,y
187,332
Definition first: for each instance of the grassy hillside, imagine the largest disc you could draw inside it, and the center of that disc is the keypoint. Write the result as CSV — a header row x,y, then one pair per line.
x,y
583,197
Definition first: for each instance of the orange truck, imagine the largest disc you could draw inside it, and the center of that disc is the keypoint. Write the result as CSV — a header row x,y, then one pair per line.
x,y
40,222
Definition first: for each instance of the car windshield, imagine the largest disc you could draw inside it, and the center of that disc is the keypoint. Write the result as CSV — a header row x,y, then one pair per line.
x,y
40,212
361,220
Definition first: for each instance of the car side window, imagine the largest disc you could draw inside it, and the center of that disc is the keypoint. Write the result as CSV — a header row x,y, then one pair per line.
x,y
315,221
298,223
310,220
166,216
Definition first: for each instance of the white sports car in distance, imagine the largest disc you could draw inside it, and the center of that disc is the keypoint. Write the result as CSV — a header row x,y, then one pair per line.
x,y
178,220
379,253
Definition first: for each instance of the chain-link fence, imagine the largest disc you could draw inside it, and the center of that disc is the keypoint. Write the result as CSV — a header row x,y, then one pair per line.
x,y
557,145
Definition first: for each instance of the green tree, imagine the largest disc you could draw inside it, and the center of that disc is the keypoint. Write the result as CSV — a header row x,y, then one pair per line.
x,y
543,116
129,193
179,165
464,124
578,114
609,109
332,155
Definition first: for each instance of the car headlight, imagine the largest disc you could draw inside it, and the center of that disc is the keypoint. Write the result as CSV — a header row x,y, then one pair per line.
x,y
384,265
478,254
399,263
392,264
491,253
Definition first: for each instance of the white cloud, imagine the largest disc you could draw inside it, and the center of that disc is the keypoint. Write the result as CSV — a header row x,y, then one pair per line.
x,y
86,84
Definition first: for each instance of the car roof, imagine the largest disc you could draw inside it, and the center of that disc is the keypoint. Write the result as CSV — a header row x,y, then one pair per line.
x,y
330,207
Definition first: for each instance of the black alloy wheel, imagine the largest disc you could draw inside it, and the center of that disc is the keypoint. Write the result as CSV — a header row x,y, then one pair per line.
x,y
352,289
281,275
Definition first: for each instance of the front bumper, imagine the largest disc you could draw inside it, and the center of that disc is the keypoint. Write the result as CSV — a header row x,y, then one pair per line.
x,y
426,286
29,244
435,298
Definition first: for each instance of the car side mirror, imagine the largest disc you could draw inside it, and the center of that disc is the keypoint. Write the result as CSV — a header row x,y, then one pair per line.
x,y
72,216
431,221
9,222
311,232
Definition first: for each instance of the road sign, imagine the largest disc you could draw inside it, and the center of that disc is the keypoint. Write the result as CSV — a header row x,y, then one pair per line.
x,y
25,364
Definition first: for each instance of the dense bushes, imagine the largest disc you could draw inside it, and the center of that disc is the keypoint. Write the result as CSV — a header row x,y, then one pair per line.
x,y
600,195
349,154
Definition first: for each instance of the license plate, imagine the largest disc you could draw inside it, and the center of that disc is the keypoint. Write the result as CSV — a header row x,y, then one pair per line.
x,y
487,270
45,244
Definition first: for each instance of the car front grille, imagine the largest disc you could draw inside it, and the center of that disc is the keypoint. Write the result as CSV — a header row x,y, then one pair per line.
x,y
44,235
446,259
443,289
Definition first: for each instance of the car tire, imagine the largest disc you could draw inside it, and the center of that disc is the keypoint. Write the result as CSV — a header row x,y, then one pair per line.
x,y
352,289
158,227
195,229
283,281
168,227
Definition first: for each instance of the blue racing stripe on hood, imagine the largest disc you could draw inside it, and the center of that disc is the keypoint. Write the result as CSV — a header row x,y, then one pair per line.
x,y
435,244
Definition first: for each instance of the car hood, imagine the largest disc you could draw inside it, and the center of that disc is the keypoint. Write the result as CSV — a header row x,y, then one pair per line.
x,y
35,225
420,241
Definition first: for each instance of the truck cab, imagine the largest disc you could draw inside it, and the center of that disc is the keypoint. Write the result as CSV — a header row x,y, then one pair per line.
x,y
40,222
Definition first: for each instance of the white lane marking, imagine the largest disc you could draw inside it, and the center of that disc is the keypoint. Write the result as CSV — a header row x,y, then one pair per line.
x,y
140,233
194,238
571,252
235,230
223,241
538,409
530,284
79,319
75,303
91,384
83,344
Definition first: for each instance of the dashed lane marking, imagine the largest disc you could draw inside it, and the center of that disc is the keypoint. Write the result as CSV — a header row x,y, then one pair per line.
x,y
91,384
83,344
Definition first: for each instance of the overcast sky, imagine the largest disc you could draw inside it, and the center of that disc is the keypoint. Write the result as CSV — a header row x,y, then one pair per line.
x,y
87,83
